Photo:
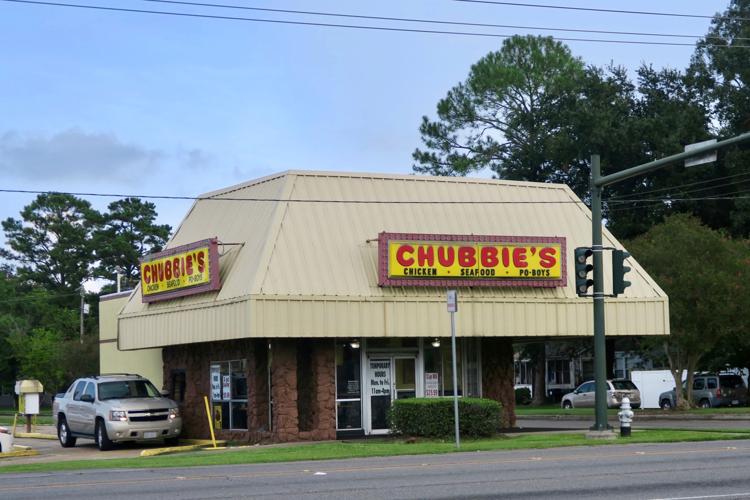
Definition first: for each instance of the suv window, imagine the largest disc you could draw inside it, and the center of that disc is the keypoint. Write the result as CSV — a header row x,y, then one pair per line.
x,y
624,385
123,389
587,387
731,381
89,390
699,384
711,383
79,390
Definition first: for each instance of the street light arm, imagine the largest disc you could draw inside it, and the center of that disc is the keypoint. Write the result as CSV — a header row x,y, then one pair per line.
x,y
656,164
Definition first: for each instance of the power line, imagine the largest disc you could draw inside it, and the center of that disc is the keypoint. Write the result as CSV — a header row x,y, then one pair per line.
x,y
298,200
609,11
428,21
360,201
671,188
350,26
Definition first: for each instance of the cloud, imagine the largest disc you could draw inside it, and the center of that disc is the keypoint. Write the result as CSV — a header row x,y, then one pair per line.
x,y
74,155
194,159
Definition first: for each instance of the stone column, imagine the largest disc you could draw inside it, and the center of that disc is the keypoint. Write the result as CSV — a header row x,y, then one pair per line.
x,y
497,376
284,390
324,369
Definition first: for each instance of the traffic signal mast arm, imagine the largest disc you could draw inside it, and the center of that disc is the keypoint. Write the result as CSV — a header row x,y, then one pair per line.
x,y
597,183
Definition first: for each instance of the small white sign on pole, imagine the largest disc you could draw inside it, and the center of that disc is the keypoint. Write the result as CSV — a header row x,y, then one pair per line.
x,y
704,158
452,301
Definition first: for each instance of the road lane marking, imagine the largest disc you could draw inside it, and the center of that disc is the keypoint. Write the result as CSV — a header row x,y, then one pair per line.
x,y
743,494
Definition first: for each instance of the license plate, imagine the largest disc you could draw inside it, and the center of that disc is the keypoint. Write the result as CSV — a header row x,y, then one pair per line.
x,y
735,401
149,435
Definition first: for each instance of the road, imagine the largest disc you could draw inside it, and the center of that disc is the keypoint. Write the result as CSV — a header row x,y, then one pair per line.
x,y
717,469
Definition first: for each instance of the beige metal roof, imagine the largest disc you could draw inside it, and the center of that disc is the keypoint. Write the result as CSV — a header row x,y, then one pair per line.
x,y
305,263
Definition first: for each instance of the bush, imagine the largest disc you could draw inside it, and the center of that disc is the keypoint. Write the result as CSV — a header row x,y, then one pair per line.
x,y
523,396
433,417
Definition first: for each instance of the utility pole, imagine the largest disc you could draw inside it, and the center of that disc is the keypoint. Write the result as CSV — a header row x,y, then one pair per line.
x,y
597,184
83,295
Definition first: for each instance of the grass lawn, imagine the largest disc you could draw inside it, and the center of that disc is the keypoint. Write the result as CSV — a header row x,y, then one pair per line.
x,y
6,419
372,448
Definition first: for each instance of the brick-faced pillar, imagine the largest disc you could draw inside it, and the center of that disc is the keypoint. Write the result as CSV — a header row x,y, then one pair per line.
x,y
497,376
284,390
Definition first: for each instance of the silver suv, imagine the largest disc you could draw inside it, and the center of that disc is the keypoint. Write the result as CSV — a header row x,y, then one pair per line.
x,y
115,408
584,395
710,391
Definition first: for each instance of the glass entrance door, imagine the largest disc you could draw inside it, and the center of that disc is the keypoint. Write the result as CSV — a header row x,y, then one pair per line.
x,y
389,378
379,381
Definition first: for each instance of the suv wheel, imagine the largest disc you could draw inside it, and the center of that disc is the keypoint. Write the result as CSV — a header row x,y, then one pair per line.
x,y
567,404
666,404
63,434
102,440
704,403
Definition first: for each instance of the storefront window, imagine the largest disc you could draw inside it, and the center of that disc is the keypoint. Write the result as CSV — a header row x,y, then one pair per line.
x,y
558,372
348,387
438,368
437,360
229,394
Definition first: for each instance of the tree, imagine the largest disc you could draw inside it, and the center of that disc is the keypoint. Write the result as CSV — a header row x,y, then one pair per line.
x,y
699,269
52,242
668,112
128,233
39,357
507,115
720,69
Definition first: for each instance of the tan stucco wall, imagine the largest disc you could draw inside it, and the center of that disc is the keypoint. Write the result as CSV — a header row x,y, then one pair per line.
x,y
146,362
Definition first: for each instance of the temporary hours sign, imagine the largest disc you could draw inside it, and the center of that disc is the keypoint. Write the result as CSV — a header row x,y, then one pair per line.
x,y
180,271
407,259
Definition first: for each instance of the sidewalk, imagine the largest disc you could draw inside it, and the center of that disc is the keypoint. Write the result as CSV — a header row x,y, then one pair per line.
x,y
654,415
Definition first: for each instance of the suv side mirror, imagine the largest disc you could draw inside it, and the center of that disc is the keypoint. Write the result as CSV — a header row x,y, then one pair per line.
x,y
87,398
165,393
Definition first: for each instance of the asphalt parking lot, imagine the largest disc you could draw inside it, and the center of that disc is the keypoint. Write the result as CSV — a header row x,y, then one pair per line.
x,y
85,449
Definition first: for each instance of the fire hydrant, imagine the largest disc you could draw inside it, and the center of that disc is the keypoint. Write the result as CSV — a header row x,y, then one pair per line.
x,y
626,417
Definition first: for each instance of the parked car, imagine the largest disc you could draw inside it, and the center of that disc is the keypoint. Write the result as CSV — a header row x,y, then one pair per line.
x,y
115,408
6,440
710,391
617,389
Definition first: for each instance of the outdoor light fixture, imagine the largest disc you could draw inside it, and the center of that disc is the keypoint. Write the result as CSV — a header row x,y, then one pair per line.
x,y
354,344
436,342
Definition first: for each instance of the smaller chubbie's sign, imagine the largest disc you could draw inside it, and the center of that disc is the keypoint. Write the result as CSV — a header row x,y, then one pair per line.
x,y
180,271
380,377
443,260
431,386
226,388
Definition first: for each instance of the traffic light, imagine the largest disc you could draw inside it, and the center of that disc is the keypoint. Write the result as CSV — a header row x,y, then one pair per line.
x,y
583,268
619,269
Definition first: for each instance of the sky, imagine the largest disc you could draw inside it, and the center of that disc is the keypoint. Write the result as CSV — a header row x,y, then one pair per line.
x,y
118,102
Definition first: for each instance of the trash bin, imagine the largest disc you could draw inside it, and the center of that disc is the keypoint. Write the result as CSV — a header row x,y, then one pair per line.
x,y
6,440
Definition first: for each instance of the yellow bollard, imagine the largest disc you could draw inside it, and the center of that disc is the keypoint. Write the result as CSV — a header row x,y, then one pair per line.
x,y
210,420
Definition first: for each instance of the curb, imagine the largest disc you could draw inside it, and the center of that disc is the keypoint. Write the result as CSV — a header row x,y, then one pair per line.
x,y
21,451
192,445
35,435
639,417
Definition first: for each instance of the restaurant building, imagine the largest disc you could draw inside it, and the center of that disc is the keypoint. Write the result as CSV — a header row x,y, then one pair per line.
x,y
302,304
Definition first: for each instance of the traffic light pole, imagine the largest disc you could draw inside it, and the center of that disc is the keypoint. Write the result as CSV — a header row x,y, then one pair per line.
x,y
600,350
597,185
